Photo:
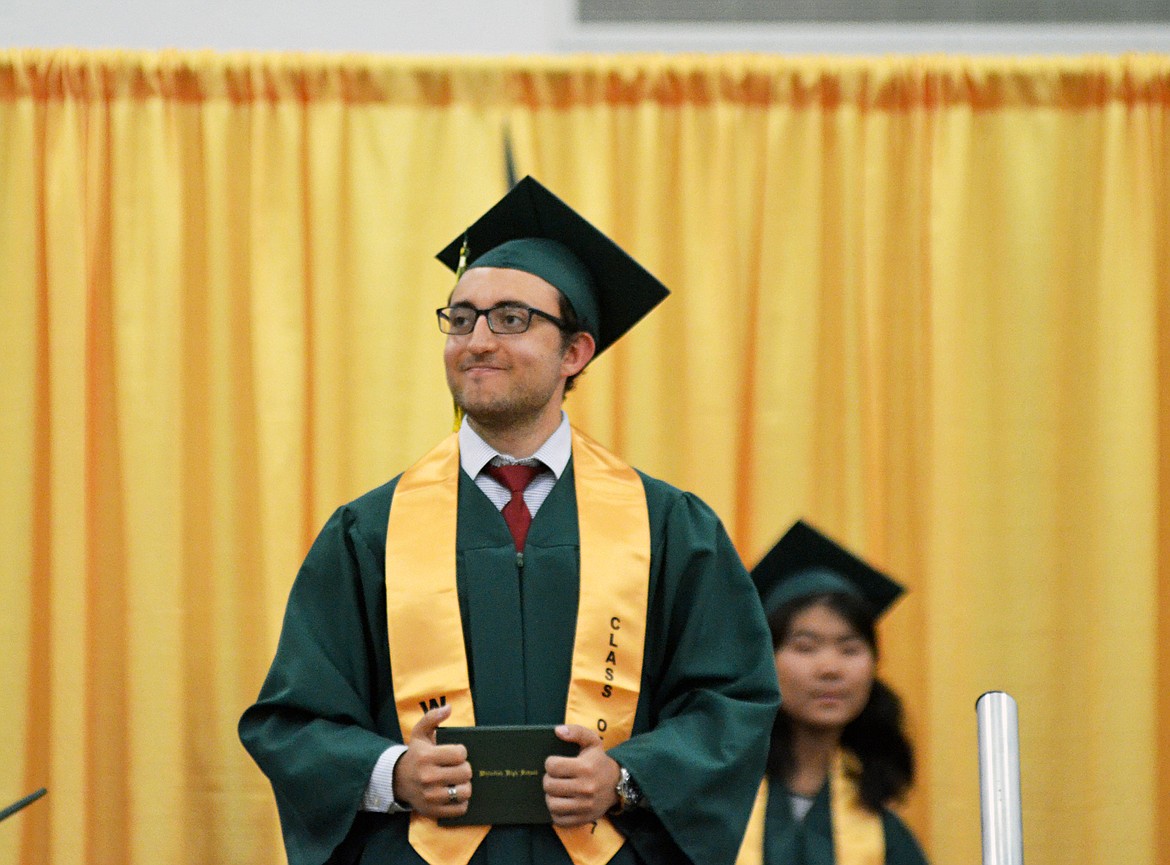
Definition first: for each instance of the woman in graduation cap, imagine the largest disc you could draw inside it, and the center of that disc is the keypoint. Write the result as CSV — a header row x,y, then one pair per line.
x,y
839,756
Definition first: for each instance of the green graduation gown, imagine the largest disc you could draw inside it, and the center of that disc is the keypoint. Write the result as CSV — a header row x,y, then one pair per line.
x,y
326,711
788,841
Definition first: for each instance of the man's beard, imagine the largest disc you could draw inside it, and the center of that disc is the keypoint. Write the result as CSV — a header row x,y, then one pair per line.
x,y
506,410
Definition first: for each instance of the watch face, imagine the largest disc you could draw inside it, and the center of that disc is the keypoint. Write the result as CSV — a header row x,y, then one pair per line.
x,y
626,789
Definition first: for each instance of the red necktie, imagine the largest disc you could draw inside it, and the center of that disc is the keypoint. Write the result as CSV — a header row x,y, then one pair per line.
x,y
516,514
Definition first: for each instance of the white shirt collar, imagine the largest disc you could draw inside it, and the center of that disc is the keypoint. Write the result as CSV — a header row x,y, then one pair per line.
x,y
475,453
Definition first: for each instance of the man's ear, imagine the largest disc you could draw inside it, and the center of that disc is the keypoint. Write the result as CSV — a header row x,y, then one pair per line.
x,y
578,353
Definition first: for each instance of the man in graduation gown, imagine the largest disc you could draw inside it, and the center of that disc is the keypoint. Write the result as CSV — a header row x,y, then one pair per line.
x,y
596,600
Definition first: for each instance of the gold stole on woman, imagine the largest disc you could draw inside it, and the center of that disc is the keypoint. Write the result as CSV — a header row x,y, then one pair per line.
x,y
858,838
427,657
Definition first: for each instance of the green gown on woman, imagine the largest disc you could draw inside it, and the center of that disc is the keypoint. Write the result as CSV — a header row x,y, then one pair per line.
x,y
788,841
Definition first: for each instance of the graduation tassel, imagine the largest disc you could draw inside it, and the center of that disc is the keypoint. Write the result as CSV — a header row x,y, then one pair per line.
x,y
462,258
459,271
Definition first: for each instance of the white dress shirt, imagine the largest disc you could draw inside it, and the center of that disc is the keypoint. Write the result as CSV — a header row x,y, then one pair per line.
x,y
474,455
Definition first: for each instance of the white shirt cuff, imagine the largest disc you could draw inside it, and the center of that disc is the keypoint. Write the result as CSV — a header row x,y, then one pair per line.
x,y
380,791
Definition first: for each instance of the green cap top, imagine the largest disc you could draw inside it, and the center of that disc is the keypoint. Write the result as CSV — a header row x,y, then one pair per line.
x,y
532,230
806,562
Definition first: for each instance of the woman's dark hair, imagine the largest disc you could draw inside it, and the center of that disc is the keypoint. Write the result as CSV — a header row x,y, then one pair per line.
x,y
876,735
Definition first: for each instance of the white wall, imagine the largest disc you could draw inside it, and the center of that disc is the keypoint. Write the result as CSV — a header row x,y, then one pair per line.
x,y
494,27
379,26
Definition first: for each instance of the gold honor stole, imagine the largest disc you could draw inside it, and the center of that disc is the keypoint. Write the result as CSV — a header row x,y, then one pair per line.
x,y
428,661
858,838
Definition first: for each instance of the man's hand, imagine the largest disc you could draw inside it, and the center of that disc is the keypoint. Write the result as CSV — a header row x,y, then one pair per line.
x,y
580,789
425,773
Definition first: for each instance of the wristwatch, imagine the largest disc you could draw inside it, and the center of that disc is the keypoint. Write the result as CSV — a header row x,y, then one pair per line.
x,y
629,796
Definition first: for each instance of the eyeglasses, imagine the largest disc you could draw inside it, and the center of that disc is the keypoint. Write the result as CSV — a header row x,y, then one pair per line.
x,y
505,318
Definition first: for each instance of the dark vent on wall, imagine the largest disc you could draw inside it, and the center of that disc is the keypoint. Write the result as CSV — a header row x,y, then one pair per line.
x,y
873,11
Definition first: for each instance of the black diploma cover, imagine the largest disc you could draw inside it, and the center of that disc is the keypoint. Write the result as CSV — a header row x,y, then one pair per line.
x,y
507,772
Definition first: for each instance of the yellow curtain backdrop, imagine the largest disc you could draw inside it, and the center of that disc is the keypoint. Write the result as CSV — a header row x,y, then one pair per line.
x,y
924,302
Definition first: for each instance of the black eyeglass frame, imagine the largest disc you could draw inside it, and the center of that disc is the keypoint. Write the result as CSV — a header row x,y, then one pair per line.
x,y
443,314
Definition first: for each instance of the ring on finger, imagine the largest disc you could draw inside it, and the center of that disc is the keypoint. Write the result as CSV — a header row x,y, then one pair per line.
x,y
452,795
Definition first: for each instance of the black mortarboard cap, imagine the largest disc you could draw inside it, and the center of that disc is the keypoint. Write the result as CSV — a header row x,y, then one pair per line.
x,y
806,562
530,229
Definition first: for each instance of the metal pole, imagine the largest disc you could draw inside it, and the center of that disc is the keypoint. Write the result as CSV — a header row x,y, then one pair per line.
x,y
999,779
